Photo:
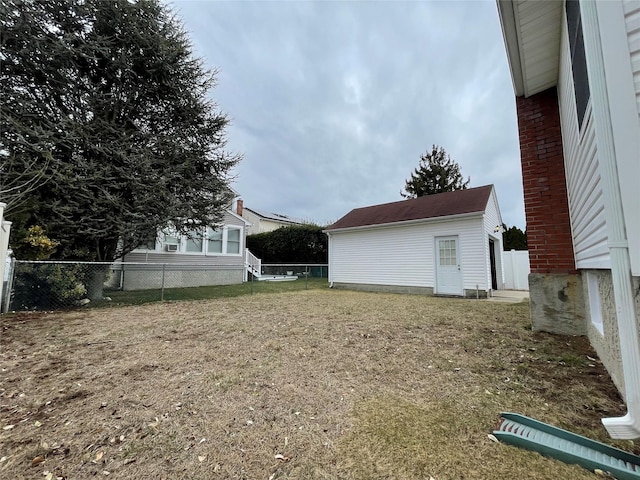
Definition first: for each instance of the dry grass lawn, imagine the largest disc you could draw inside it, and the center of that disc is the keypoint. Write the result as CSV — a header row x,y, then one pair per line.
x,y
316,384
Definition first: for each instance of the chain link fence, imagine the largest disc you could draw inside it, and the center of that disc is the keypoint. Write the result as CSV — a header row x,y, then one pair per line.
x,y
301,270
48,285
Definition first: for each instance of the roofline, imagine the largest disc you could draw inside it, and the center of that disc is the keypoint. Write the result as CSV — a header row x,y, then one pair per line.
x,y
507,15
246,222
296,221
444,218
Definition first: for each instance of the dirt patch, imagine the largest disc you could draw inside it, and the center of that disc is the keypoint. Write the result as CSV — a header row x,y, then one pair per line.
x,y
310,384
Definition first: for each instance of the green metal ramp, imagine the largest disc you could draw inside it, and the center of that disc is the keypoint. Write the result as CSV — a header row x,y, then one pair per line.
x,y
530,434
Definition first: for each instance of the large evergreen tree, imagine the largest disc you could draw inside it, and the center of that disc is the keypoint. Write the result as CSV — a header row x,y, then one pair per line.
x,y
436,173
108,132
513,238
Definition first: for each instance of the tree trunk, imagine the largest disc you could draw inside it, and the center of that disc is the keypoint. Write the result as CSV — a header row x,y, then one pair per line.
x,y
95,281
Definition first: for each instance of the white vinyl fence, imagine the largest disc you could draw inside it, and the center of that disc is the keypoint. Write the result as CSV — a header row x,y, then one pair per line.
x,y
516,269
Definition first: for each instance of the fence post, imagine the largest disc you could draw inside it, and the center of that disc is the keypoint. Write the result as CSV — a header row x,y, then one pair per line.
x,y
306,277
162,290
5,229
7,297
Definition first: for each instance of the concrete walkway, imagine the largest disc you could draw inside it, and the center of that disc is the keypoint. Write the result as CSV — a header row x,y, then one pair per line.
x,y
509,296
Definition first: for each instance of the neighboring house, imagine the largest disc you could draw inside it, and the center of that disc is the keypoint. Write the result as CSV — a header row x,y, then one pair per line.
x,y
212,256
447,244
265,222
575,67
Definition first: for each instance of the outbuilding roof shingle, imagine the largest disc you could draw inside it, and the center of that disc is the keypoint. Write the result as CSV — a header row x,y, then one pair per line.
x,y
431,206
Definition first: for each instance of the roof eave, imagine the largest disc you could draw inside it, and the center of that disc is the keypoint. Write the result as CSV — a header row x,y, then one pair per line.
x,y
510,34
515,21
447,218
283,222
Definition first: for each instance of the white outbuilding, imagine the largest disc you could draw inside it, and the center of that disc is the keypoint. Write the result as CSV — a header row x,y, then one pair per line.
x,y
444,244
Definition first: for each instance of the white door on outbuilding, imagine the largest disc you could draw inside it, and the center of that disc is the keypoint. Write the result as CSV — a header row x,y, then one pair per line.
x,y
448,273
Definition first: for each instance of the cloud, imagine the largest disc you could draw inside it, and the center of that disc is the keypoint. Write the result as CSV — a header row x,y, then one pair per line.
x,y
332,103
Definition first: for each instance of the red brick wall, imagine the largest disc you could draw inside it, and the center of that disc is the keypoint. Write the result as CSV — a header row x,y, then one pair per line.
x,y
545,192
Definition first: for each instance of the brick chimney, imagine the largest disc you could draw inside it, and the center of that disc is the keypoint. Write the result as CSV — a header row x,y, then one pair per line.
x,y
239,206
545,192
555,286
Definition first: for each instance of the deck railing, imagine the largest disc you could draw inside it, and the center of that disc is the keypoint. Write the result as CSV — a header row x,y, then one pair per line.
x,y
253,265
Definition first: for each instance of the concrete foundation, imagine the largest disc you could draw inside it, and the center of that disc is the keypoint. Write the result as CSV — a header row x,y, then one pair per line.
x,y
557,303
470,293
366,287
150,279
602,323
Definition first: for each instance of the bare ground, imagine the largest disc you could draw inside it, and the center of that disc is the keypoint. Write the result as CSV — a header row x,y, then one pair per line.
x,y
315,384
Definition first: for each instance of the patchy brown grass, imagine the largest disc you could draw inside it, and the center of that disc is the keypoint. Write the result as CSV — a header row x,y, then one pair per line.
x,y
312,384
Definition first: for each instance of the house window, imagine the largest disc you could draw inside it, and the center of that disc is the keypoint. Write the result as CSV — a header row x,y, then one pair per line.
x,y
233,240
214,241
194,242
225,241
220,241
578,59
171,239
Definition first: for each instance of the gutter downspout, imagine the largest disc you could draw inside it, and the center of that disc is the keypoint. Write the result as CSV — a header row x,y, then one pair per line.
x,y
628,426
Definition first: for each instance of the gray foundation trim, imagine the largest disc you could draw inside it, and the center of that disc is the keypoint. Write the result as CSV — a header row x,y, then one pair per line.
x,y
607,343
175,278
475,293
557,303
366,287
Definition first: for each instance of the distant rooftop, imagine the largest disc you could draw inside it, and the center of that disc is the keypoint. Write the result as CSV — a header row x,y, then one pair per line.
x,y
275,216
459,202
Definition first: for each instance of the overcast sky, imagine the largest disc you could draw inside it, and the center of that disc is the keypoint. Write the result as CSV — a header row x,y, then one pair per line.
x,y
332,103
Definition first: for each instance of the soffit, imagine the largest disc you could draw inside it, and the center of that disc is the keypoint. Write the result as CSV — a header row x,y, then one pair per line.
x,y
531,30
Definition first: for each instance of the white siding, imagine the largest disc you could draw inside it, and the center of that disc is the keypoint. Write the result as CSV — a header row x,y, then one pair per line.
x,y
233,220
632,20
473,245
403,255
492,219
627,132
184,258
254,220
586,202
384,256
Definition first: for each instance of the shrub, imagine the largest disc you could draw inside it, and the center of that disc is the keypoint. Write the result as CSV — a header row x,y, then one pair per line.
x,y
47,286
290,244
